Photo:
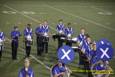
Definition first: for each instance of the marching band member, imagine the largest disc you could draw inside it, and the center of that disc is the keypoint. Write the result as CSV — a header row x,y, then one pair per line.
x,y
15,34
60,27
81,37
60,33
101,68
60,70
68,33
85,54
46,37
80,40
2,39
26,71
28,39
39,39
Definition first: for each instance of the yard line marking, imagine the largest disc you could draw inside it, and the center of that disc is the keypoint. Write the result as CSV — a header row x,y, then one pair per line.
x,y
82,18
29,17
21,13
40,62
83,6
99,9
104,12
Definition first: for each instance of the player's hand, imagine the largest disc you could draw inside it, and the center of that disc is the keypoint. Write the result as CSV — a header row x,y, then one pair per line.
x,y
27,75
62,73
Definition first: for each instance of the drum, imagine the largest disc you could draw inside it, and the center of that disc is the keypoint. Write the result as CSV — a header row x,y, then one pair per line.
x,y
1,42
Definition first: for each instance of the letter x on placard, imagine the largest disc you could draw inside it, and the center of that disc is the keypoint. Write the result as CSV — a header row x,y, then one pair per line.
x,y
104,52
66,54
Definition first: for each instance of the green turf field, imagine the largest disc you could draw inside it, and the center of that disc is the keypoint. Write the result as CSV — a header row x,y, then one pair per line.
x,y
97,16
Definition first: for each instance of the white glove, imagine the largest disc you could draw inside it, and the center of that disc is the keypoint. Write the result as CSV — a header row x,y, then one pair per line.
x,y
74,39
29,38
1,41
45,34
69,35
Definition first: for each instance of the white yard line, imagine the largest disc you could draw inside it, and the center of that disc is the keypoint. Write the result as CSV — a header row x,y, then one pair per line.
x,y
82,6
102,11
99,9
82,18
29,17
40,62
